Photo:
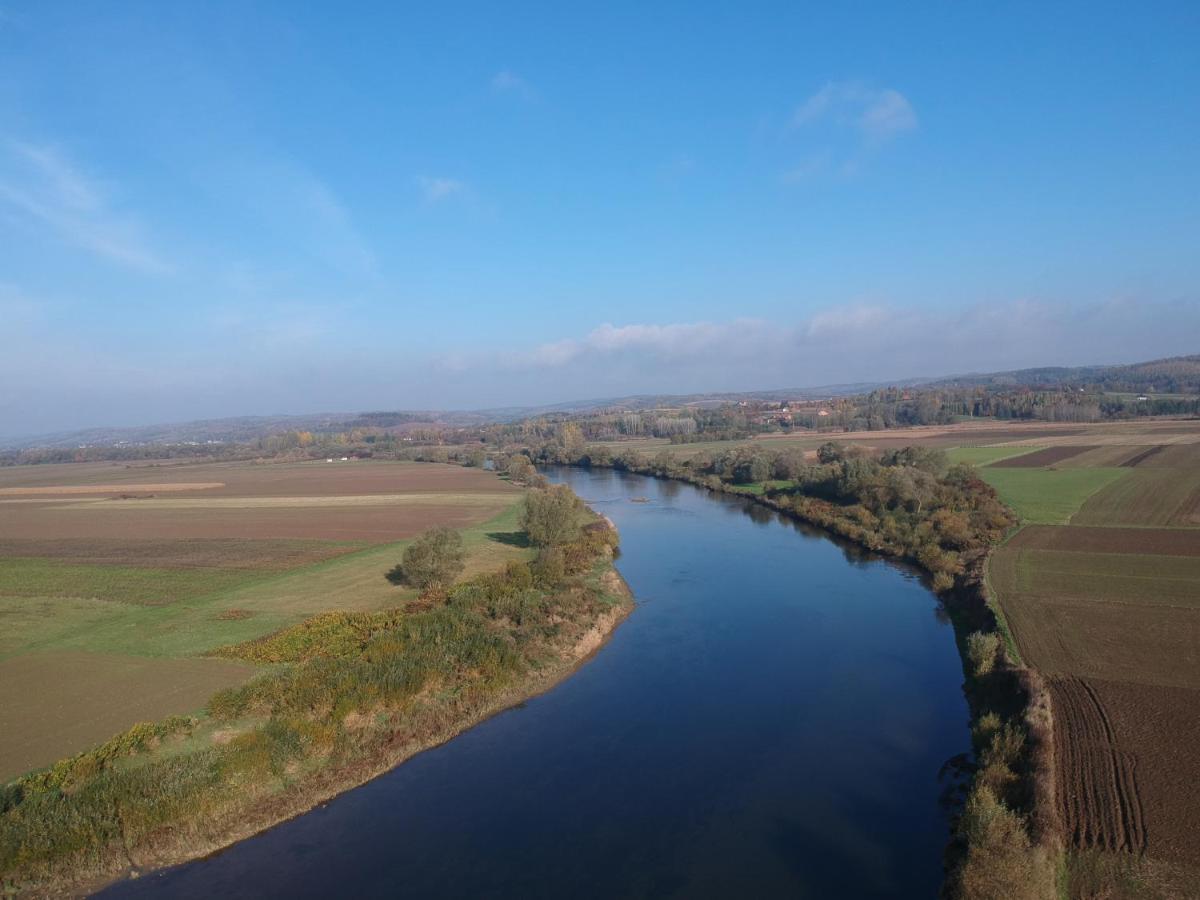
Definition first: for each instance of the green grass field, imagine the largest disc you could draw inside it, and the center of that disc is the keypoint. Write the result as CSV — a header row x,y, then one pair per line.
x,y
981,456
230,610
1048,496
139,585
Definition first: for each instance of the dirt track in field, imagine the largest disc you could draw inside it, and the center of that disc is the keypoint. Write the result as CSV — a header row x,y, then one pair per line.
x,y
1143,456
160,488
1122,785
1096,785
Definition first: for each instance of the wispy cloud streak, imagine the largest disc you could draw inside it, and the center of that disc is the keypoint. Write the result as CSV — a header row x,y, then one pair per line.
x,y
43,189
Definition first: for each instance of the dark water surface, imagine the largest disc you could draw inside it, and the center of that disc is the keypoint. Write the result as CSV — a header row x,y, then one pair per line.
x,y
770,722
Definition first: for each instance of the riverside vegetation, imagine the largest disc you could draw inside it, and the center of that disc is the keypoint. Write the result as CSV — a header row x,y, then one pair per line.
x,y
345,695
912,504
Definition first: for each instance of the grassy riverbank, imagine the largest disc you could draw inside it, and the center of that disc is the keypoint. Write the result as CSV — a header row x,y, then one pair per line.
x,y
344,696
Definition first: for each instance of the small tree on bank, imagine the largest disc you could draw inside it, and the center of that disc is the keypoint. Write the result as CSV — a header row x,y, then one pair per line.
x,y
551,517
434,559
981,650
519,468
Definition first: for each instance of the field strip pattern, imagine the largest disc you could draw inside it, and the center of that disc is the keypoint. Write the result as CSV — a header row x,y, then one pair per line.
x,y
416,499
1097,786
159,488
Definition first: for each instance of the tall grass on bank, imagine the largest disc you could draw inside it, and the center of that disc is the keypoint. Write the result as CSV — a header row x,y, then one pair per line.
x,y
345,688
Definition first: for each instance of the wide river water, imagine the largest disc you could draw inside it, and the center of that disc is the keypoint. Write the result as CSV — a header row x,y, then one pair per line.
x,y
771,721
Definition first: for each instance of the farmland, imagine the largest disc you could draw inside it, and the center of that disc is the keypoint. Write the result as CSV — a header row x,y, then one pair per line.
x,y
116,580
1101,592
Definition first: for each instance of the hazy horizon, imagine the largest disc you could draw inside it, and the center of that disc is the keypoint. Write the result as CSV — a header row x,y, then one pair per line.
x,y
210,210
560,402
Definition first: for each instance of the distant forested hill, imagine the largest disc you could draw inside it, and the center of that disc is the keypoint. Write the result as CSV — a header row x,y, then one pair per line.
x,y
1174,375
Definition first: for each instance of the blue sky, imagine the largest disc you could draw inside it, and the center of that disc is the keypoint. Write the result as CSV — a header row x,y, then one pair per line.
x,y
228,208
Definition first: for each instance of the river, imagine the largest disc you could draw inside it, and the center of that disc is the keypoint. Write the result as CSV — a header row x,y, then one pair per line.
x,y
771,721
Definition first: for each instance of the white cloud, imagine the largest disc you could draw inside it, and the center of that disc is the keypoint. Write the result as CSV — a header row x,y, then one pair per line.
x,y
678,341
845,320
850,121
878,115
862,342
336,233
297,210
508,82
437,189
812,166
887,114
43,189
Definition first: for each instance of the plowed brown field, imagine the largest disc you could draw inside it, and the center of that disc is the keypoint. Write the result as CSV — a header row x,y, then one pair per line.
x,y
1127,757
1155,541
306,479
1097,789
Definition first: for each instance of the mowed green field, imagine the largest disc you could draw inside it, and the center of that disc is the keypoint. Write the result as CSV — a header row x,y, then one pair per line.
x,y
1049,496
139,613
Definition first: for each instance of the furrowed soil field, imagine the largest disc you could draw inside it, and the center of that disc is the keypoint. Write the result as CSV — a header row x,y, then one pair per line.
x,y
1107,607
1147,496
115,580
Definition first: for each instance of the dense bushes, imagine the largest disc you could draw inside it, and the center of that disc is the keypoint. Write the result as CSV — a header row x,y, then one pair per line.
x,y
434,559
981,651
551,516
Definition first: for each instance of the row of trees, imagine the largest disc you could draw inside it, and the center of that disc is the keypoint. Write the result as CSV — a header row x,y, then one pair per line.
x,y
909,502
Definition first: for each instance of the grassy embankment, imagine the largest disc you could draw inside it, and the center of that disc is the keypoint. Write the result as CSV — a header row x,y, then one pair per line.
x,y
343,697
